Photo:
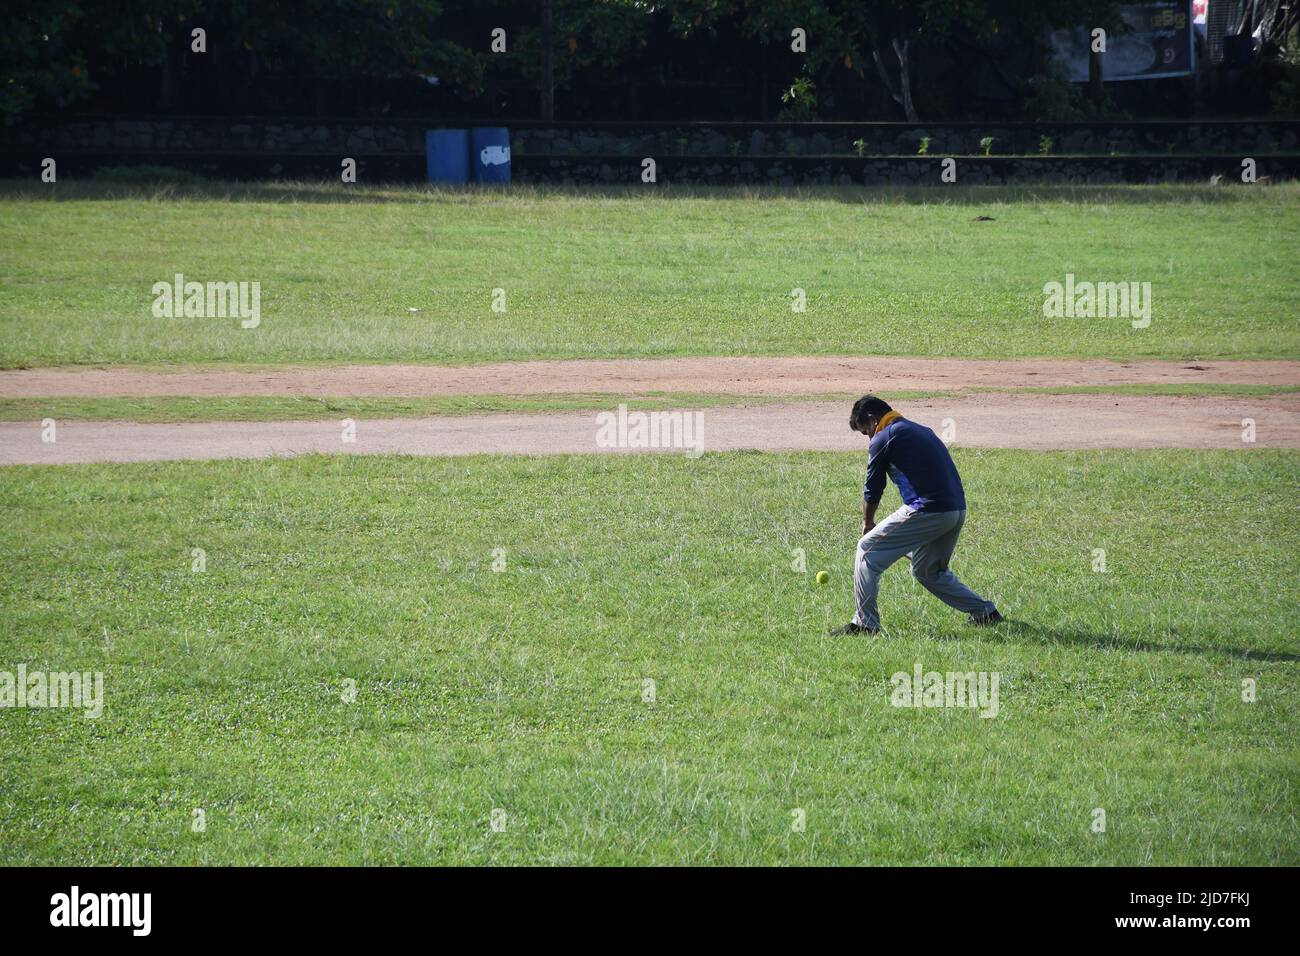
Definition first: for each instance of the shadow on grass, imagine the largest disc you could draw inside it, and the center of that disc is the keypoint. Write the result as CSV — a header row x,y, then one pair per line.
x,y
1067,635
330,192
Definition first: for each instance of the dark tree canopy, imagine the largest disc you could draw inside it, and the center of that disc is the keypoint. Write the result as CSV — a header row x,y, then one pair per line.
x,y
610,59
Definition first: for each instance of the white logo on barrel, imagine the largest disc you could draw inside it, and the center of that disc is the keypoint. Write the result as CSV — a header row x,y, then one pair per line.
x,y
495,155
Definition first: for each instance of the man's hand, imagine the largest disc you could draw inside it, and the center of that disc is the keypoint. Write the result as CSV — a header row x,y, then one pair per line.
x,y
867,526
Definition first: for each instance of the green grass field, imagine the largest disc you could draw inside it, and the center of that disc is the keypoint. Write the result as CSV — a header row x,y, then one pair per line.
x,y
228,690
300,408
523,689
642,272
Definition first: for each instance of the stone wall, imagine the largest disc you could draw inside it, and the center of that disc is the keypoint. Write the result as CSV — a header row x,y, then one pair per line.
x,y
897,171
574,153
209,135
889,139
215,136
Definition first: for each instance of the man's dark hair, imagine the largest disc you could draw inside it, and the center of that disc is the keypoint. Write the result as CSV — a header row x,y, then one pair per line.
x,y
864,406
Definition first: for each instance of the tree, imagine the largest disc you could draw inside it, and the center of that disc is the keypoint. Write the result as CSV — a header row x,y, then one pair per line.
x,y
50,50
894,26
887,31
573,35
346,39
548,61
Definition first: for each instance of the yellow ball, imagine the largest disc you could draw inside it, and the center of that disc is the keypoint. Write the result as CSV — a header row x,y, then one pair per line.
x,y
822,577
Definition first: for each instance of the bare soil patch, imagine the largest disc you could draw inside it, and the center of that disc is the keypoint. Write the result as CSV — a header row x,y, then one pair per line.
x,y
795,375
1033,421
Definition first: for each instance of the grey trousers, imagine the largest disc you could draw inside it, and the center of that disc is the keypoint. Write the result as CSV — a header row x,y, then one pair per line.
x,y
929,538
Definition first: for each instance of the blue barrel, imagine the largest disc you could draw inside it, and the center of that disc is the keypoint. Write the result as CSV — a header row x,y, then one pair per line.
x,y
446,153
490,154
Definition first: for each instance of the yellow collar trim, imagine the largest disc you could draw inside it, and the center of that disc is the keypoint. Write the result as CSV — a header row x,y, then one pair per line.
x,y
888,417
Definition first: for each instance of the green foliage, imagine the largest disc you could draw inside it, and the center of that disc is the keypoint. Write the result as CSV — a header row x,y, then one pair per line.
x,y
923,148
1284,99
52,50
43,56
1045,145
1052,98
800,101
986,144
53,53
844,32
585,34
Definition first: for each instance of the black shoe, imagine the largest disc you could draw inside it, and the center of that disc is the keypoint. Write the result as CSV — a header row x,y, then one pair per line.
x,y
992,617
851,628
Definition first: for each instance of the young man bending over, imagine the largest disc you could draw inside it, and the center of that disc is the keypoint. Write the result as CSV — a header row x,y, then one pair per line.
x,y
925,528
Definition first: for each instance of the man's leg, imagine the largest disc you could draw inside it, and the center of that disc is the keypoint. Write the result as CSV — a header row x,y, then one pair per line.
x,y
930,567
884,544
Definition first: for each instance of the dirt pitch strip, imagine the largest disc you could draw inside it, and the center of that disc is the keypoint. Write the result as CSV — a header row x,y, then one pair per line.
x,y
1007,418
796,375
1032,421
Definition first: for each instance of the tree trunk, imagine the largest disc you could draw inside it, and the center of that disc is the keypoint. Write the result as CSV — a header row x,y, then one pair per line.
x,y
903,95
165,78
905,80
548,63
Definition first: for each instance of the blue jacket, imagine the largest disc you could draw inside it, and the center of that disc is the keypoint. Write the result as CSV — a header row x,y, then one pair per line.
x,y
919,463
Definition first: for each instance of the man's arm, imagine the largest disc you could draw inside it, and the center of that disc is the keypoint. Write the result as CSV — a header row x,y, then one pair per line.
x,y
869,515
874,487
